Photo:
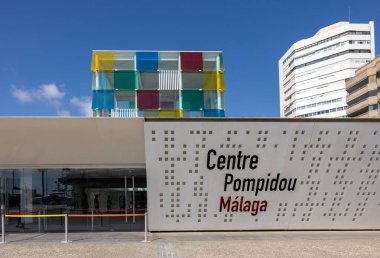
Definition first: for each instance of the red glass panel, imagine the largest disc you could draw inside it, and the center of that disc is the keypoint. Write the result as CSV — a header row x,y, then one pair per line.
x,y
191,61
148,99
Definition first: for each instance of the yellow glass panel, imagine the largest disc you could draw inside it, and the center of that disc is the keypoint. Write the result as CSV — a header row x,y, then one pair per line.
x,y
210,81
221,83
102,61
151,113
171,113
213,81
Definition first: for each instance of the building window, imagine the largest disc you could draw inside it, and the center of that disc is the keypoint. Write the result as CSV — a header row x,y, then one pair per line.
x,y
212,62
148,80
168,61
125,99
169,99
192,80
106,81
210,99
358,86
124,61
373,107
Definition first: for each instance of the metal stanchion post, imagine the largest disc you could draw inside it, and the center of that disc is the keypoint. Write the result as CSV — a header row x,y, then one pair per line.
x,y
145,228
60,211
39,221
66,230
2,228
125,198
133,198
45,219
92,220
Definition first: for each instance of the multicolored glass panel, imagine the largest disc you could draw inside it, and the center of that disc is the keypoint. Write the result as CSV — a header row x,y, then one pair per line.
x,y
148,99
147,61
125,80
158,84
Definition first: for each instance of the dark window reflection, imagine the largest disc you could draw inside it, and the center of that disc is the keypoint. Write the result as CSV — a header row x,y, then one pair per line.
x,y
83,191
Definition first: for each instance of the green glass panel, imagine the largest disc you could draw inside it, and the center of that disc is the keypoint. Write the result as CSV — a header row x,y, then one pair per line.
x,y
192,100
125,80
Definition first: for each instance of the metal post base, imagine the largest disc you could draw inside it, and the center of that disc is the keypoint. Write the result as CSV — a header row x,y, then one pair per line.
x,y
66,242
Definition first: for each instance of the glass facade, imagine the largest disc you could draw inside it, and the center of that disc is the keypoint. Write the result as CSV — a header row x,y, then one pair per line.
x,y
158,84
74,191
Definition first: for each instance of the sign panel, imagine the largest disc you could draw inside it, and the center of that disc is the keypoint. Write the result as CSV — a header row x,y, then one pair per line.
x,y
247,175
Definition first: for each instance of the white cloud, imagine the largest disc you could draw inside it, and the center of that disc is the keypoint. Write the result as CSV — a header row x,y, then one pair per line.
x,y
83,104
55,96
21,95
50,92
46,92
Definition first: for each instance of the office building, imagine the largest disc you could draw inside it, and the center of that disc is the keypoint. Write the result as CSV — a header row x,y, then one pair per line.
x,y
312,73
158,84
363,89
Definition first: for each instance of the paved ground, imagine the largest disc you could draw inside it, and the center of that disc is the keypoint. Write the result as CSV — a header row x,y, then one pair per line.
x,y
220,244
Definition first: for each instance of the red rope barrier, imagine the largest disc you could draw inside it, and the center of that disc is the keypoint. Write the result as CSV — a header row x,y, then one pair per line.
x,y
120,210
105,215
24,212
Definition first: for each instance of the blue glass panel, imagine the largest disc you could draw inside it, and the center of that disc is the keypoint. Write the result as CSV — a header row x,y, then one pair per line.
x,y
106,81
214,113
103,99
147,61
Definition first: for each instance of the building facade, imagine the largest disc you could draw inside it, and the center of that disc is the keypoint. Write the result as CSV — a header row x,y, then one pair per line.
x,y
312,73
158,84
191,173
363,89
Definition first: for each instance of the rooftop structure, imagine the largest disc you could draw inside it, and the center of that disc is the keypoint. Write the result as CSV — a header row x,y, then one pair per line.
x,y
158,84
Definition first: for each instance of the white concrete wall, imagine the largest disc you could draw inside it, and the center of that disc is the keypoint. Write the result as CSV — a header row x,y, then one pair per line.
x,y
72,142
336,165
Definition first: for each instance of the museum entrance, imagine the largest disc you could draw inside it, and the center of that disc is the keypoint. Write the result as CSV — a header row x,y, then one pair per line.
x,y
109,193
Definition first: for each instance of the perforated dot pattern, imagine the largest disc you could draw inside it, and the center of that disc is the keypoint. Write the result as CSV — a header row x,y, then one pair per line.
x,y
336,165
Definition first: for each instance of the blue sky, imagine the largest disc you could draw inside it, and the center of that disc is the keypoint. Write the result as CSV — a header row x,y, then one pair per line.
x,y
46,46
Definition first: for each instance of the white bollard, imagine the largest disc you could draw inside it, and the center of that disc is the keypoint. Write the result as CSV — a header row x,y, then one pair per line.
x,y
66,230
145,228
2,228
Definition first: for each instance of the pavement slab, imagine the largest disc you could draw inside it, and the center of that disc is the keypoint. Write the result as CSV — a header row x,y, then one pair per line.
x,y
195,244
